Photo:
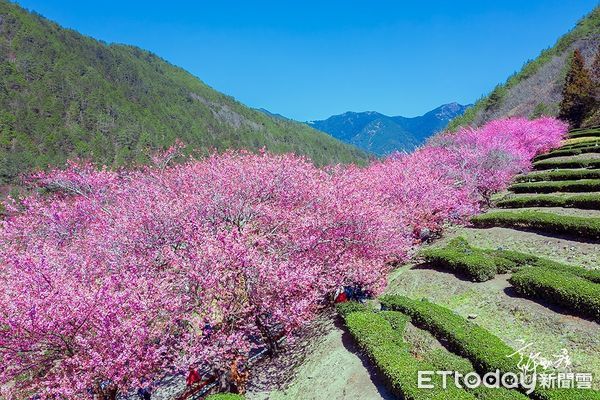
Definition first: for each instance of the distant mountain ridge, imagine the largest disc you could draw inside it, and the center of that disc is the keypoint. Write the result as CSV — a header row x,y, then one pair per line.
x,y
274,115
65,95
381,134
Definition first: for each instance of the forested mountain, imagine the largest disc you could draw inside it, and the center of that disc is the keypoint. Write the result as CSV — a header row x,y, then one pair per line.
x,y
382,134
65,95
537,88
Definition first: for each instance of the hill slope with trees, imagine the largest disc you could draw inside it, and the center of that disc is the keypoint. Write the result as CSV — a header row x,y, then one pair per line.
x,y
65,95
537,88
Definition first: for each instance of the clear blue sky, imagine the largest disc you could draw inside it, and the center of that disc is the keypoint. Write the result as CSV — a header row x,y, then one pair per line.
x,y
311,59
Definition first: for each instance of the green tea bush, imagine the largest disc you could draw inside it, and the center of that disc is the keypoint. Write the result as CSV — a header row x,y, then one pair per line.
x,y
485,351
444,360
461,258
521,260
396,319
583,185
349,307
559,175
587,128
483,264
552,223
587,143
571,151
560,288
581,163
585,133
583,201
225,396
385,347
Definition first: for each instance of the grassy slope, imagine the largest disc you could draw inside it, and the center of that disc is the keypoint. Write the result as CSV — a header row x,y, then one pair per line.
x,y
496,304
66,95
507,316
588,25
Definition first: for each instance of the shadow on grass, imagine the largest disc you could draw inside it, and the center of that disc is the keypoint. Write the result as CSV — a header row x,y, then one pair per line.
x,y
558,309
380,384
277,371
437,268
572,238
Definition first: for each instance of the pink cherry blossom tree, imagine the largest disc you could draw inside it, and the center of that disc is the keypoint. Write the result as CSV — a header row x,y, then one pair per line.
x,y
110,278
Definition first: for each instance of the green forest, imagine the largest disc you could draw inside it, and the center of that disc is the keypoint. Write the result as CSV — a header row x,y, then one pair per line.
x,y
64,95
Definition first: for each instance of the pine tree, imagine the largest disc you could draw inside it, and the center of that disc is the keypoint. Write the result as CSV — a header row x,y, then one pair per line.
x,y
578,92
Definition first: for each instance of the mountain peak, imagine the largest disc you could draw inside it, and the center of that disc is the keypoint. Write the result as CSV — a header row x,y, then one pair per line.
x,y
449,111
381,134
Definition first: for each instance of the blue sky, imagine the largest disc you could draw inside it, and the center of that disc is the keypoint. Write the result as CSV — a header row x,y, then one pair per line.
x,y
311,59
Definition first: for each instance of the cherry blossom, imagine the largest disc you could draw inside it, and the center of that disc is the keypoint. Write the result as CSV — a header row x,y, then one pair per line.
x,y
113,277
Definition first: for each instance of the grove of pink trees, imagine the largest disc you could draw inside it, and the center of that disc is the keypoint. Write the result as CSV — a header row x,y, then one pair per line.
x,y
110,278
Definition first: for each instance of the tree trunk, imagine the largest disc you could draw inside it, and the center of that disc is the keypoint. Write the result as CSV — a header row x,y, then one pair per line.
x,y
271,342
108,393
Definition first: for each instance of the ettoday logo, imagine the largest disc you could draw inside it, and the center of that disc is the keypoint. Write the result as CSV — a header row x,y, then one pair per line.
x,y
535,370
474,380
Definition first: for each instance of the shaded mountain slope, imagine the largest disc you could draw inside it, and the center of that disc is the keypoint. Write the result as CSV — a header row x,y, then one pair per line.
x,y
382,134
537,88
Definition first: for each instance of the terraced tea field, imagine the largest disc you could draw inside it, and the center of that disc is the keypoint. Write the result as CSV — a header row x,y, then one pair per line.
x,y
526,273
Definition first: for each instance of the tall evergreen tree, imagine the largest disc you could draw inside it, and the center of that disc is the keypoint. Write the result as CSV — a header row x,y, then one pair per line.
x,y
578,92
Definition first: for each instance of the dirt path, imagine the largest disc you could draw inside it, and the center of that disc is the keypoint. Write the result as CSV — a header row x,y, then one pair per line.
x,y
326,366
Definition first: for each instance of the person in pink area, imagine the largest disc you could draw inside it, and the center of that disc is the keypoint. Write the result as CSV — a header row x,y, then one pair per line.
x,y
193,377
